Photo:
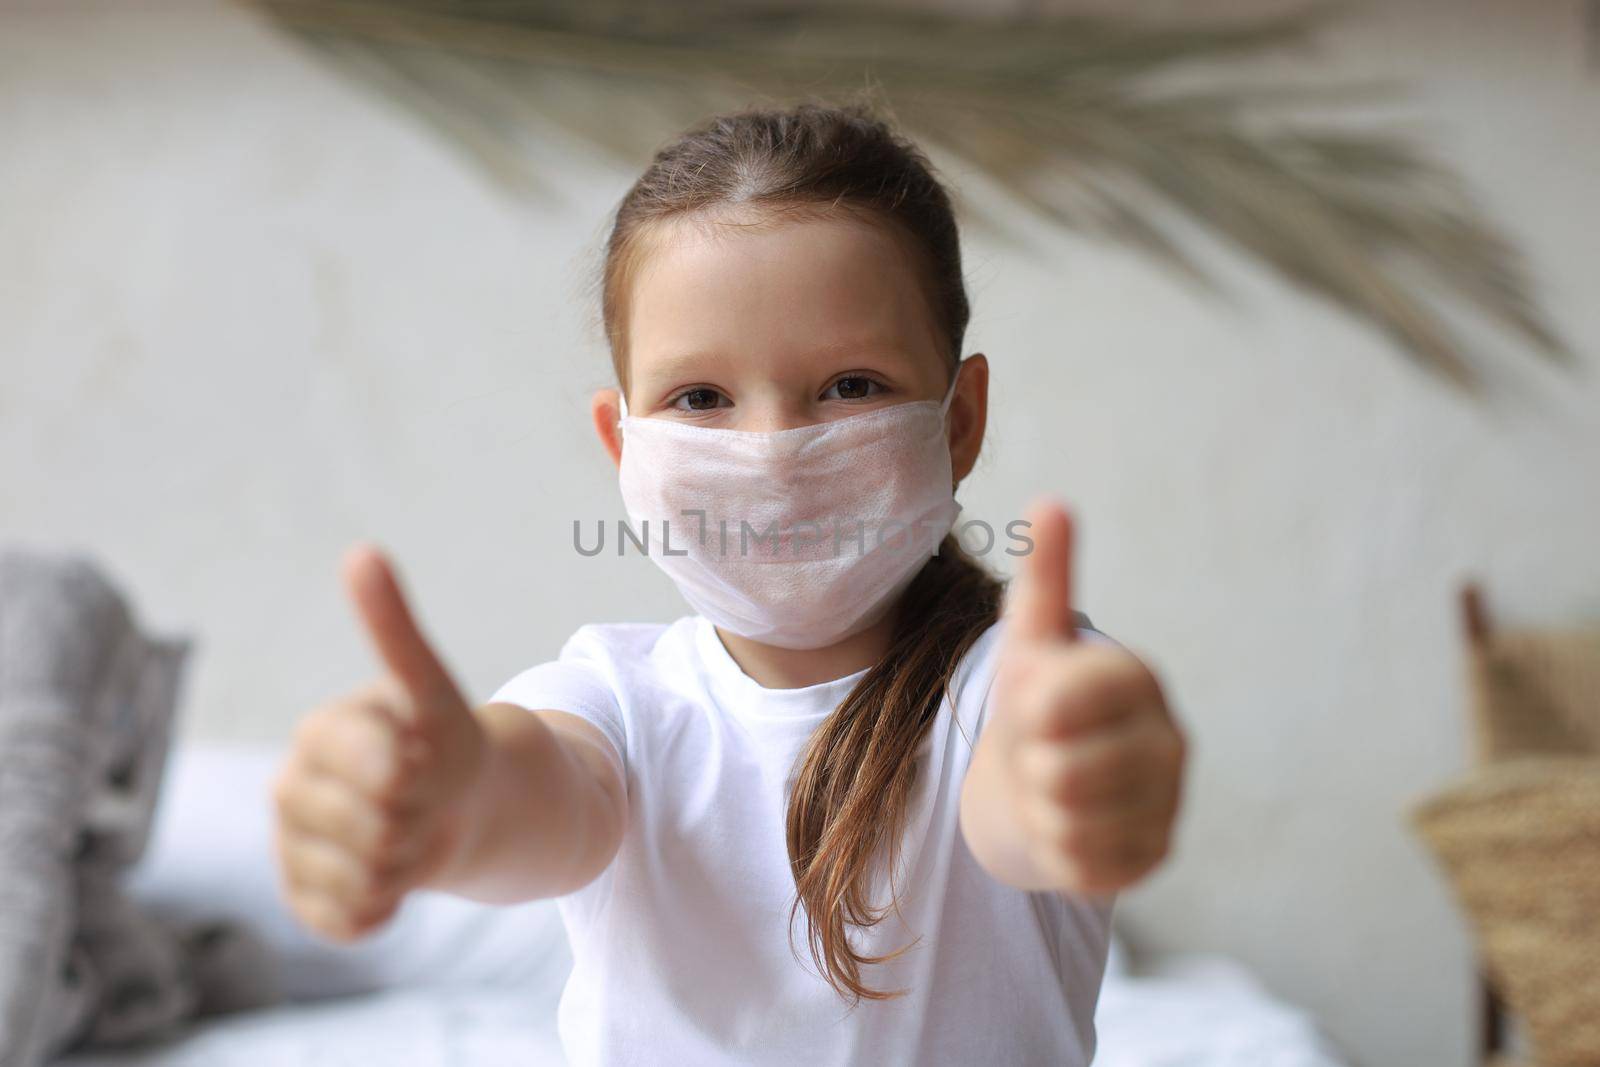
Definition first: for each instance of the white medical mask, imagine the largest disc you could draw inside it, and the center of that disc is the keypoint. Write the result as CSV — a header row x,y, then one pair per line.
x,y
796,538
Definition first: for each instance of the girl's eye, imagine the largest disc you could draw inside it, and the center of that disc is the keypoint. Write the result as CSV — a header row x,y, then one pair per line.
x,y
852,388
698,399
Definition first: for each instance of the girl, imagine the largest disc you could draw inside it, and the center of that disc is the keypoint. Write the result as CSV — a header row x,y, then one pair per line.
x,y
844,813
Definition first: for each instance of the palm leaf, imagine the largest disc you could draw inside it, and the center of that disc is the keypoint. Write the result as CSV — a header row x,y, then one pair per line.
x,y
1077,116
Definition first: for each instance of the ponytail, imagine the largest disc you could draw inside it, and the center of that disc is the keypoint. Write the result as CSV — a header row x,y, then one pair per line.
x,y
853,786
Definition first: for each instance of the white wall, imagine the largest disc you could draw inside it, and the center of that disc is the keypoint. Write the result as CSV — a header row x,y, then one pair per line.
x,y
249,313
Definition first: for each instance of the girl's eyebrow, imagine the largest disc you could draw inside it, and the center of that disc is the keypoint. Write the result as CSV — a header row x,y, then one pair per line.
x,y
679,364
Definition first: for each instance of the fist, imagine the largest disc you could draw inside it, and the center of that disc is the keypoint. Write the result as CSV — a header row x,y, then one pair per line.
x,y
1093,757
369,804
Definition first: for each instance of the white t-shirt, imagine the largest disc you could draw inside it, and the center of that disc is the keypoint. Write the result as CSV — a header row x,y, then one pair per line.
x,y
681,946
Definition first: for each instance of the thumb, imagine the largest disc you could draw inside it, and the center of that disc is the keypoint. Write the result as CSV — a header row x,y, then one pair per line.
x,y
1039,601
373,588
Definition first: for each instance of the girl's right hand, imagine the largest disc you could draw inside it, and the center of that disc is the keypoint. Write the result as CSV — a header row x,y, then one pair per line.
x,y
372,800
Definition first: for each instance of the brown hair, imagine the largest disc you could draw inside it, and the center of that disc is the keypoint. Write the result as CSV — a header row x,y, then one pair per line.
x,y
853,783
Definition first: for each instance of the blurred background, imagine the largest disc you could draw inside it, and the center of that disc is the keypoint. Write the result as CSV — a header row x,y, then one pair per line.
x,y
264,292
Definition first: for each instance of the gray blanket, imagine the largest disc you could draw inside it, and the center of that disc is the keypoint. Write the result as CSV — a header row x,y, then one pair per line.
x,y
86,711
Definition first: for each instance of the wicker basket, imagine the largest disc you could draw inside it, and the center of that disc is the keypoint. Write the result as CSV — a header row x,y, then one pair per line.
x,y
1520,840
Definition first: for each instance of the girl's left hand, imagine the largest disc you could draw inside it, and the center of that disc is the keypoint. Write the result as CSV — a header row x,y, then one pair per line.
x,y
1086,748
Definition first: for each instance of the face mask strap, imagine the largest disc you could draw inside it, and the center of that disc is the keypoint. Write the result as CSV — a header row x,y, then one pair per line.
x,y
949,395
622,402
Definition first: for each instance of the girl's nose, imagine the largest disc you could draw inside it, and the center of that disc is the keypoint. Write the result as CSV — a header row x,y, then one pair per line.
x,y
769,415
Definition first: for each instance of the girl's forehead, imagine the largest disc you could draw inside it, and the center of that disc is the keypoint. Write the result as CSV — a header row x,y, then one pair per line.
x,y
786,287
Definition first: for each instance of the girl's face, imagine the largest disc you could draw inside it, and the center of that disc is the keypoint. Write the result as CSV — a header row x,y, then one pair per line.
x,y
782,326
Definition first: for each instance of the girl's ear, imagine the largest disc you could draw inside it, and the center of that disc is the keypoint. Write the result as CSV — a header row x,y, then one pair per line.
x,y
604,407
969,412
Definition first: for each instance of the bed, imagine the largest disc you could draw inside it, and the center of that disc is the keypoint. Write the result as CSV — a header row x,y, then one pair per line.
x,y
450,982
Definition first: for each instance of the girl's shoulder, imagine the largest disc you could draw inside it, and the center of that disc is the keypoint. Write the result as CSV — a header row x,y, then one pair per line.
x,y
601,672
623,641
597,663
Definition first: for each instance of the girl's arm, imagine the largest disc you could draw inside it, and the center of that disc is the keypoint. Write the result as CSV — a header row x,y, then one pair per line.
x,y
545,814
1075,781
401,785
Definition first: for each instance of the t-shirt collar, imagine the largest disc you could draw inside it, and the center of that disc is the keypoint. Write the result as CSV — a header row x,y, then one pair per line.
x,y
748,696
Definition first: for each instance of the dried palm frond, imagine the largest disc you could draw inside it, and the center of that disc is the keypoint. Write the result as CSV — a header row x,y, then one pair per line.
x,y
1074,115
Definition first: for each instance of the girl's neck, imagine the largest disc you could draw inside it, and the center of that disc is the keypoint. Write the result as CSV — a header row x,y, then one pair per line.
x,y
793,668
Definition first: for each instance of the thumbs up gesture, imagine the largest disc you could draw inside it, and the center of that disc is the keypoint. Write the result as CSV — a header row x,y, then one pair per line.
x,y
369,803
1076,780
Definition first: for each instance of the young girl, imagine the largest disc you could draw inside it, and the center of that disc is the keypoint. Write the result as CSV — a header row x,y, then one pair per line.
x,y
845,813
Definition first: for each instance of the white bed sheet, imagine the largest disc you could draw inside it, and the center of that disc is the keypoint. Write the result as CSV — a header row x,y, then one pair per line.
x,y
1195,1010
435,1026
